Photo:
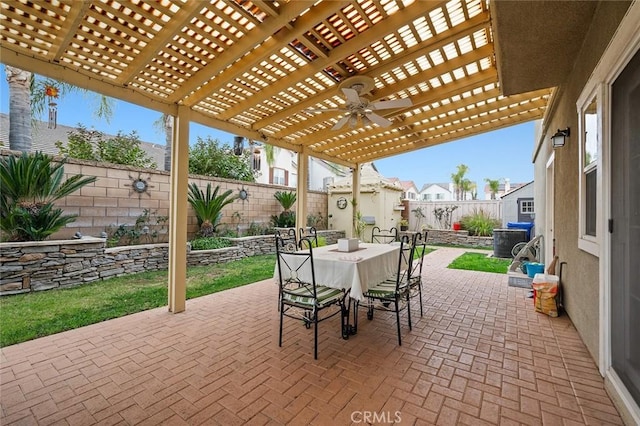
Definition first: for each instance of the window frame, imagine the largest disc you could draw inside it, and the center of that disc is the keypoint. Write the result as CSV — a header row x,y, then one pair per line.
x,y
530,204
274,177
586,242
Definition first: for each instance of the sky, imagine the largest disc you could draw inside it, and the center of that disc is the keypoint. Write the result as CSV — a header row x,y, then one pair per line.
x,y
504,153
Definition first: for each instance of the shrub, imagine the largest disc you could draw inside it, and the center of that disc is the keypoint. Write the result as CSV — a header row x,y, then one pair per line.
x,y
286,219
479,223
149,228
92,145
209,243
210,158
29,186
208,206
286,199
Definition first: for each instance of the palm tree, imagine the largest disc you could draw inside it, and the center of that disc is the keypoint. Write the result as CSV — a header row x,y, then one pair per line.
x,y
28,99
270,153
458,179
165,123
467,187
19,82
494,186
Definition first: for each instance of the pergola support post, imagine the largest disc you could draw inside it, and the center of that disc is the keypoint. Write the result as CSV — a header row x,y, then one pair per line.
x,y
302,189
178,212
355,202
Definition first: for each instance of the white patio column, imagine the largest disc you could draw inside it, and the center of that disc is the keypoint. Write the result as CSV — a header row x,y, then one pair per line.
x,y
355,193
302,189
178,212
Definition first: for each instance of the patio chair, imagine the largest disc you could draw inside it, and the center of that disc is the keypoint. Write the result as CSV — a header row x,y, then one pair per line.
x,y
287,237
384,236
311,234
415,275
301,297
393,293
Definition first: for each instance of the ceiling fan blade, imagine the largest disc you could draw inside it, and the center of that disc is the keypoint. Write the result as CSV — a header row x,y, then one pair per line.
x,y
394,103
341,122
379,120
351,95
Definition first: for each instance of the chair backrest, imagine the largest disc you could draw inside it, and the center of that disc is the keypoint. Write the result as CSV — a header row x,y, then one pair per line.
x,y
405,262
419,244
311,234
384,236
287,237
295,267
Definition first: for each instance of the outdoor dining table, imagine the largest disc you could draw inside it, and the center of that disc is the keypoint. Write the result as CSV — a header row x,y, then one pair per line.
x,y
353,271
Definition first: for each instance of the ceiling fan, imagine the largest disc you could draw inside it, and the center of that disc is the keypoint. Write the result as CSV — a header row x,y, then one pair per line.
x,y
359,107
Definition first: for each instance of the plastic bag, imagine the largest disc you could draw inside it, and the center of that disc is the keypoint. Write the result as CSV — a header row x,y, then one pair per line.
x,y
545,294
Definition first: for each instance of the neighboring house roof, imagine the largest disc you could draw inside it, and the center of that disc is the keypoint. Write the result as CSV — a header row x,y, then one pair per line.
x,y
44,139
408,184
444,186
519,188
501,187
369,178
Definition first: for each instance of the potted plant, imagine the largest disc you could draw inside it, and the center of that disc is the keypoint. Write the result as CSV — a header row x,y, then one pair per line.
x,y
404,224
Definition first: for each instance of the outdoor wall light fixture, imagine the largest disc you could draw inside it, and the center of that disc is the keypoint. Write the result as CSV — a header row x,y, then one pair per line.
x,y
238,145
560,138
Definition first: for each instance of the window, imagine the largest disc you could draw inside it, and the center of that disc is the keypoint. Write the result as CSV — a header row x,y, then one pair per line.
x,y
526,207
589,126
279,176
590,166
426,197
440,196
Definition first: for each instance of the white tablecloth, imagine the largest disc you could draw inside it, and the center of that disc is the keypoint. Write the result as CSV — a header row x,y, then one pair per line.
x,y
355,270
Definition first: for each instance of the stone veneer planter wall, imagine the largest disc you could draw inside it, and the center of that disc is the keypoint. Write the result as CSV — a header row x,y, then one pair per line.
x,y
44,265
458,238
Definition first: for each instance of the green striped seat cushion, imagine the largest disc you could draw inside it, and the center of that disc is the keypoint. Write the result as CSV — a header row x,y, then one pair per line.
x,y
304,295
384,289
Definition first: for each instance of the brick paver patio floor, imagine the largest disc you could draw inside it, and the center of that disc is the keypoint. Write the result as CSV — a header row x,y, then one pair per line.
x,y
480,355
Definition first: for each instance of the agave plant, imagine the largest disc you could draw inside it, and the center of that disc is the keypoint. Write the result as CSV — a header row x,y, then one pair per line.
x,y
208,206
30,186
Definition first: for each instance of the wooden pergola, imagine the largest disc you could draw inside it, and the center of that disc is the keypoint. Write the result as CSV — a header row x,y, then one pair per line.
x,y
260,69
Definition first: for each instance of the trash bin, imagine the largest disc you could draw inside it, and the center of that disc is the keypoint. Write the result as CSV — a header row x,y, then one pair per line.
x,y
527,226
505,239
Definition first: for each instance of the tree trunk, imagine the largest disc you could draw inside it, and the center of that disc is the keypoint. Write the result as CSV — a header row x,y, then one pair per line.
x,y
168,137
19,82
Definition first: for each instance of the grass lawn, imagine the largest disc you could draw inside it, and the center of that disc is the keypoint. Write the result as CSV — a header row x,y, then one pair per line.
x,y
32,315
480,262
462,246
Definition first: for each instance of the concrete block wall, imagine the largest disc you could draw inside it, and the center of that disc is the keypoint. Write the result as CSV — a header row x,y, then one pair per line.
x,y
111,200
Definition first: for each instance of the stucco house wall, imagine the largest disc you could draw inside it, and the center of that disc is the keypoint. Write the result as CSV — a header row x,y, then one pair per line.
x,y
580,278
